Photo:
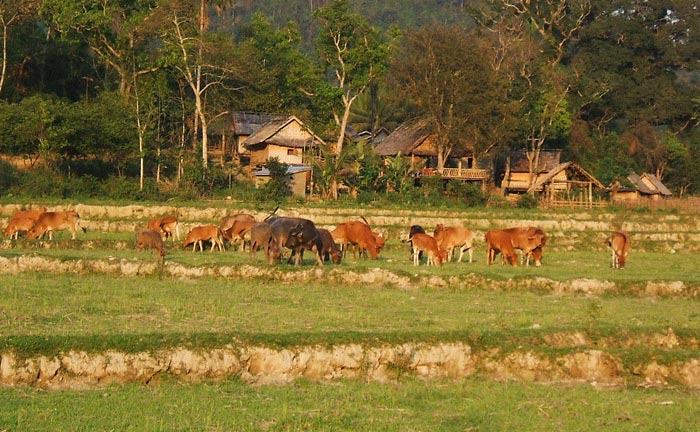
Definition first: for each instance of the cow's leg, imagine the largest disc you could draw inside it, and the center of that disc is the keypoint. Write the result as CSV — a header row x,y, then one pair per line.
x,y
471,254
416,261
461,254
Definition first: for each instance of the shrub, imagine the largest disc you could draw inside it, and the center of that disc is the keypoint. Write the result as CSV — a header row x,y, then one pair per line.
x,y
527,201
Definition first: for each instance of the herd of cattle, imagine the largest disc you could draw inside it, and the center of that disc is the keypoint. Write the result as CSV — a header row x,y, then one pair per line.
x,y
276,233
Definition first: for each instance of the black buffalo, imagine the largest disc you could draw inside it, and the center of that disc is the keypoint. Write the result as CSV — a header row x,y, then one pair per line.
x,y
297,234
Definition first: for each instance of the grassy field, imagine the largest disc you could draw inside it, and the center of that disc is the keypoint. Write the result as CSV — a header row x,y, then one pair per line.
x,y
486,306
409,405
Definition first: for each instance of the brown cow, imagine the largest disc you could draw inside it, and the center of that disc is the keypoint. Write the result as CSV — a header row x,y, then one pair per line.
x,y
500,241
426,243
150,239
356,233
200,234
619,243
56,221
238,231
22,220
166,226
448,238
531,241
261,237
415,229
329,248
17,225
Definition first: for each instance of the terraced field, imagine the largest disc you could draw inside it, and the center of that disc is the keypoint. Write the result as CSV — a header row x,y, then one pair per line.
x,y
573,320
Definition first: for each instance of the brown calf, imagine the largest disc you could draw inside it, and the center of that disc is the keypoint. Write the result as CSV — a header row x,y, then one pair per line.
x,y
329,248
17,225
449,238
238,231
619,243
426,243
56,221
150,239
500,241
166,226
200,234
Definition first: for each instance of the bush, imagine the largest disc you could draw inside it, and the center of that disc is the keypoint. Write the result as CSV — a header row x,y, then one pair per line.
x,y
467,193
527,201
9,176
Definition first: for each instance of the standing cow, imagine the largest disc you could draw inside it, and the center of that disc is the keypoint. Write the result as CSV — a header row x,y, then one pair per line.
x,y
298,234
426,243
329,248
167,226
261,237
48,222
500,241
357,233
531,241
200,234
150,239
619,243
449,238
415,229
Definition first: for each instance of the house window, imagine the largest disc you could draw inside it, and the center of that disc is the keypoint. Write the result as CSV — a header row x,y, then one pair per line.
x,y
290,152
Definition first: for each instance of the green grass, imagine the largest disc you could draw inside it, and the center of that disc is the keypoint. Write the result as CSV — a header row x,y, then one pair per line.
x,y
408,405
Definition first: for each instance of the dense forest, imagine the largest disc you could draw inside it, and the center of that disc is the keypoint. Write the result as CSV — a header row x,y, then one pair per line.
x,y
98,97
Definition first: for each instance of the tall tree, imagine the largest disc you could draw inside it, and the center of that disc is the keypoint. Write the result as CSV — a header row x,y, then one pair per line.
x,y
444,72
113,30
351,49
205,61
12,12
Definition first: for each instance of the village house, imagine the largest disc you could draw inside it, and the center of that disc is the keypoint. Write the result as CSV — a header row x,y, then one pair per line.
x,y
644,186
414,141
552,179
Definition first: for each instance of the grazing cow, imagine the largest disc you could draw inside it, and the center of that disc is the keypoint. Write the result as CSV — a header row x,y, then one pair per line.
x,y
329,248
297,234
150,239
238,231
261,238
17,225
449,238
356,233
531,241
200,234
619,243
56,221
415,229
166,226
500,241
426,243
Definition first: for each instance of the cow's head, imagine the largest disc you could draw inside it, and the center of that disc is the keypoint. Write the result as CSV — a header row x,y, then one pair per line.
x,y
274,251
36,231
336,255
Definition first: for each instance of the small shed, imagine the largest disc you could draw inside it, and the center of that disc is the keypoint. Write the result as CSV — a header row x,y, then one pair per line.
x,y
299,178
644,186
567,180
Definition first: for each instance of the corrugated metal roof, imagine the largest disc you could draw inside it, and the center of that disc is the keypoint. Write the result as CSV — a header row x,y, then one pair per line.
x,y
653,187
292,169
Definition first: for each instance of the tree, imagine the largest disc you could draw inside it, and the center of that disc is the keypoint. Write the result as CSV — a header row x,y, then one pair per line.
x,y
113,30
544,84
204,61
12,12
445,74
352,51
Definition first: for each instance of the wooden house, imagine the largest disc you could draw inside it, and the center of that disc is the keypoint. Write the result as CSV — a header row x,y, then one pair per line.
x,y
285,138
554,180
414,141
644,186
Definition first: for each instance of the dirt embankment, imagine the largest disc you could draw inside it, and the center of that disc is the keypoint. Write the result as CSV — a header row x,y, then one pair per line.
x,y
263,365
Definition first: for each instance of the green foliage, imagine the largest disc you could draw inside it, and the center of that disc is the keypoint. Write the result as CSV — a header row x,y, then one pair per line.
x,y
469,194
527,201
9,176
277,189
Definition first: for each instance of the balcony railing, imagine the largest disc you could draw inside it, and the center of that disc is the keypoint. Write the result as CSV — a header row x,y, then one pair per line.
x,y
458,173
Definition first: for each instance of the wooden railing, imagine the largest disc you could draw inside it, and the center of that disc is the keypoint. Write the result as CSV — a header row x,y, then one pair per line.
x,y
458,173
